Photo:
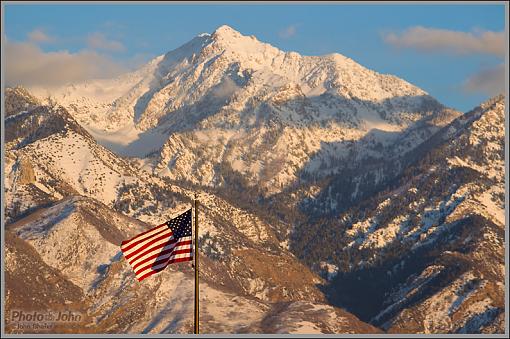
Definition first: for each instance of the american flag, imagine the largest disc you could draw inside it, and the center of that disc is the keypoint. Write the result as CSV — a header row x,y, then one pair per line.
x,y
151,251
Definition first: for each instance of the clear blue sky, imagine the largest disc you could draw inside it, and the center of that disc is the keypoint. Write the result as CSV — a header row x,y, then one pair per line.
x,y
143,31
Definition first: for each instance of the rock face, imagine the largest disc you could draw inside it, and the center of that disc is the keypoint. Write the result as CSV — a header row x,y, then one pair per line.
x,y
26,172
17,100
333,199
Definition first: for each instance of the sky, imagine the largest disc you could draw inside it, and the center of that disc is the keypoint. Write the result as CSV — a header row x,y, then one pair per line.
x,y
456,52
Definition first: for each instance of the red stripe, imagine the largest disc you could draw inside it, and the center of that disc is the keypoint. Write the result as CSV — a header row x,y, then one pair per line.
x,y
139,235
157,262
150,243
162,268
130,246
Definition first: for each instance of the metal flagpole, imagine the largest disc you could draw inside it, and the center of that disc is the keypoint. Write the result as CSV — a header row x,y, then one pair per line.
x,y
195,203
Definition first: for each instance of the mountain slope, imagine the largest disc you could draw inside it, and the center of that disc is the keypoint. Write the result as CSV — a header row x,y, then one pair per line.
x,y
434,241
75,244
69,204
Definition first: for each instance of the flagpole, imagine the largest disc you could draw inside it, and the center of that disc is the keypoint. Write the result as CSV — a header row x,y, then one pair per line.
x,y
196,319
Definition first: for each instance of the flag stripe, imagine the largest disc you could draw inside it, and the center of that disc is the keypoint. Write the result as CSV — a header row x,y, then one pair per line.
x,y
164,262
137,241
165,238
147,242
152,258
141,235
157,251
148,249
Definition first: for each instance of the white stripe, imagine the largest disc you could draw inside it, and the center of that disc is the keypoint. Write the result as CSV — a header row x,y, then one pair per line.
x,y
145,242
177,256
154,231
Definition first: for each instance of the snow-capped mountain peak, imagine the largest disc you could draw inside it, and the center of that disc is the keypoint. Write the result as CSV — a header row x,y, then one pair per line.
x,y
226,32
233,95
232,40
221,64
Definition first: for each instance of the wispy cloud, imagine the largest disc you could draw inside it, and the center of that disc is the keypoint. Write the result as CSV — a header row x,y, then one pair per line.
x,y
39,36
99,41
443,40
288,32
28,65
490,81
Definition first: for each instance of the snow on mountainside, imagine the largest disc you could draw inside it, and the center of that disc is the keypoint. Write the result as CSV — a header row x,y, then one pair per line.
x,y
477,144
90,101
434,242
63,160
228,102
69,204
